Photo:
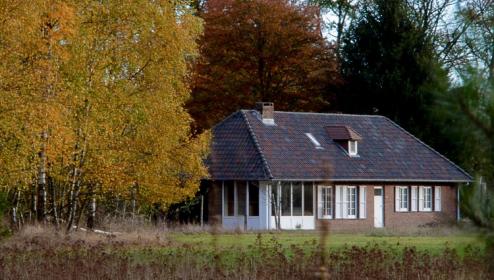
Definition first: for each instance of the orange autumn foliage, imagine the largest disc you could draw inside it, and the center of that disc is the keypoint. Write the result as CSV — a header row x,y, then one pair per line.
x,y
261,50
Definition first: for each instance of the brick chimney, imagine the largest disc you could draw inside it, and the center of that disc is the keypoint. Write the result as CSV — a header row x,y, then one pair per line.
x,y
266,109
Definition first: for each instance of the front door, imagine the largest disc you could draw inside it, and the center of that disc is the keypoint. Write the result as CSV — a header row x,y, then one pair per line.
x,y
378,207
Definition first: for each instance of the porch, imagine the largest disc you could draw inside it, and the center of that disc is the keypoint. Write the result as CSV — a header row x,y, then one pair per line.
x,y
260,205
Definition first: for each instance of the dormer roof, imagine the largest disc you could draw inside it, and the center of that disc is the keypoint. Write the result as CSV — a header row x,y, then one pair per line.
x,y
342,132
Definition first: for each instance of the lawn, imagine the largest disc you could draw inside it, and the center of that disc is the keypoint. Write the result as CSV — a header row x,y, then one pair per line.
x,y
433,244
270,255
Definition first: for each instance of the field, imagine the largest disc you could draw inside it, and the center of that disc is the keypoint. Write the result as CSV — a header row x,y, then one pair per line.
x,y
424,243
40,253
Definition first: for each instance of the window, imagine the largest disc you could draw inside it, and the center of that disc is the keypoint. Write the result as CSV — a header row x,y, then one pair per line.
x,y
344,202
253,198
296,199
308,200
275,200
378,191
403,198
437,198
229,198
327,201
352,148
314,141
292,199
351,197
286,207
241,197
427,199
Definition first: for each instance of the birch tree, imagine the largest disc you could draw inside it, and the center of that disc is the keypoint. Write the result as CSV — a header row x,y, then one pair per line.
x,y
92,97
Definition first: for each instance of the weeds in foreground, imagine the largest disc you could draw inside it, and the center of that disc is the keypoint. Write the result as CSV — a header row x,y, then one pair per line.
x,y
66,257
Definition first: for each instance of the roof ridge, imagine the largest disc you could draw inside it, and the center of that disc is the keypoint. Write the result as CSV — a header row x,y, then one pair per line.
x,y
429,147
257,145
331,114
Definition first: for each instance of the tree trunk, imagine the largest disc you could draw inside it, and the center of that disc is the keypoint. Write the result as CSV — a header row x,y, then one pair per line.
x,y
74,194
15,219
79,214
92,210
51,186
34,202
41,207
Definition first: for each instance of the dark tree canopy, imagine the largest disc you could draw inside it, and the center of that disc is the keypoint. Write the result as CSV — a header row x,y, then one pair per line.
x,y
261,51
390,67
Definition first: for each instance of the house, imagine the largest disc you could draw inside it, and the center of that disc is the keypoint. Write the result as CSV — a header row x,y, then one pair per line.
x,y
292,170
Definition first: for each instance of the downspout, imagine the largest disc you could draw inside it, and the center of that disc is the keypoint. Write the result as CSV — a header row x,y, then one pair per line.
x,y
458,214
268,202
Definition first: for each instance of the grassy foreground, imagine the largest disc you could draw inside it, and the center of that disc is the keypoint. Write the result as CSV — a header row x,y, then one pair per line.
x,y
43,254
431,243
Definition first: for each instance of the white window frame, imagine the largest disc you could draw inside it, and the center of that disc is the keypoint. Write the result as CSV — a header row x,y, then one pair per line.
x,y
437,198
403,199
428,202
326,212
351,205
352,152
279,198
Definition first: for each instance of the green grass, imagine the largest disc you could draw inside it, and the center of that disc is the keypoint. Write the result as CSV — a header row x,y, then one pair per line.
x,y
432,244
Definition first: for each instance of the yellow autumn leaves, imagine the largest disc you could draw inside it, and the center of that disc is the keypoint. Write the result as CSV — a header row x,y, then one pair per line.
x,y
106,82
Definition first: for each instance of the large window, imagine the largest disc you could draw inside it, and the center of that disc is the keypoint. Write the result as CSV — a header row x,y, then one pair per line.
x,y
292,199
308,199
275,200
427,198
296,199
286,200
342,202
403,198
229,198
351,197
253,199
240,198
327,201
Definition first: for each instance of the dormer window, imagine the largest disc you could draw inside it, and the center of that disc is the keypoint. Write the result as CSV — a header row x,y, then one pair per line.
x,y
352,148
345,137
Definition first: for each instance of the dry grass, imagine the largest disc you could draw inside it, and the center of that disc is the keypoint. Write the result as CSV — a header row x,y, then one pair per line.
x,y
152,253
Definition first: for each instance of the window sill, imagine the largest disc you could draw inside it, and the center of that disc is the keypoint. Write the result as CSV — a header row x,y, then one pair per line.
x,y
417,211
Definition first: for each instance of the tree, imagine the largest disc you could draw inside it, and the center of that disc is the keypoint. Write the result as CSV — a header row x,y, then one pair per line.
x,y
105,84
341,12
34,128
260,51
466,110
391,68
477,41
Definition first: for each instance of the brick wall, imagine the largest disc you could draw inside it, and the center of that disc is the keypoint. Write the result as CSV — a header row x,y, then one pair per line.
x,y
397,220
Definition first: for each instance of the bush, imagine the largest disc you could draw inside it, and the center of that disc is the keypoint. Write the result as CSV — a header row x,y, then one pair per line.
x,y
41,256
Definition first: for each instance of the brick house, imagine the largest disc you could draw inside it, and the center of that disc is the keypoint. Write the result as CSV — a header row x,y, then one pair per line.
x,y
291,170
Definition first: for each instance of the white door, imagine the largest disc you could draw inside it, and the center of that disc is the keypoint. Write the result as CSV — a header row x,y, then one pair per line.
x,y
378,207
